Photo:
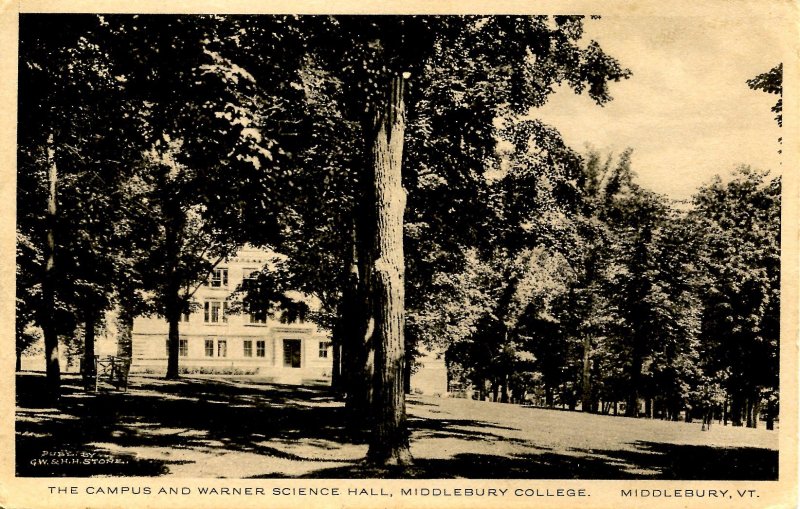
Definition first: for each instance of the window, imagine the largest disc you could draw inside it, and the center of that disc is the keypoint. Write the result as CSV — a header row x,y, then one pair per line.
x,y
209,348
184,317
183,347
222,348
323,349
248,348
215,311
261,348
258,317
250,274
219,278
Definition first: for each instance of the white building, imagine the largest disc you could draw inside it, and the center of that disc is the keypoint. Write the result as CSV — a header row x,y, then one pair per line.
x,y
213,340
430,376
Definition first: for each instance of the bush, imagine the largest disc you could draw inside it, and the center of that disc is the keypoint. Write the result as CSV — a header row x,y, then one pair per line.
x,y
228,370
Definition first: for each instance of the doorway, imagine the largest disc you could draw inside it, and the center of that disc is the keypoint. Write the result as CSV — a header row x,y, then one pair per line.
x,y
291,353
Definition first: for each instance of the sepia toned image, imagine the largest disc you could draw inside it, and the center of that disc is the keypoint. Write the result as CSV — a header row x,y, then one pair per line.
x,y
402,256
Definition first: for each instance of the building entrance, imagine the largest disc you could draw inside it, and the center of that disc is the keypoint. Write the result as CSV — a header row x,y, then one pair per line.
x,y
291,353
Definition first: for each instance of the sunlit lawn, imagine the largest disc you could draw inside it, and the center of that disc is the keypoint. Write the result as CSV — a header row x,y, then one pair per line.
x,y
234,428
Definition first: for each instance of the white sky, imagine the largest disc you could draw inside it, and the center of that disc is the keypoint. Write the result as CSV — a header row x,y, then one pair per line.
x,y
686,111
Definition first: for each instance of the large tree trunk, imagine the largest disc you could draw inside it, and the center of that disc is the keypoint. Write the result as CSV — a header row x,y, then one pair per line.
x,y
482,390
125,326
632,408
389,439
336,364
345,332
173,302
338,344
360,352
47,312
173,342
88,350
586,385
725,411
407,364
736,409
753,409
770,414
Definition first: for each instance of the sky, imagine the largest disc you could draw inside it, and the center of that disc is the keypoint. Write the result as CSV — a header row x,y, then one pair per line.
x,y
687,111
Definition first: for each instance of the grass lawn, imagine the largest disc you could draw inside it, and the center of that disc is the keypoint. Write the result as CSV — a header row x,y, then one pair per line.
x,y
239,429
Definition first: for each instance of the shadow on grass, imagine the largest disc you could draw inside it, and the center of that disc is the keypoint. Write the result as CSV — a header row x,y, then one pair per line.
x,y
80,437
208,416
673,462
677,462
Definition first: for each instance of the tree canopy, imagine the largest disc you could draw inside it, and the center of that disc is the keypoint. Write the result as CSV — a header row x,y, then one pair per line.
x,y
396,166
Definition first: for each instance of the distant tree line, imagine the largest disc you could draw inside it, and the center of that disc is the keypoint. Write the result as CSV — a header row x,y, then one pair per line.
x,y
665,308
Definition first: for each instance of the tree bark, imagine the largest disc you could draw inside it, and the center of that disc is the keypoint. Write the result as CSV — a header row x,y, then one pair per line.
x,y
336,364
725,411
586,385
88,350
548,397
125,327
173,342
407,374
360,352
389,438
47,312
339,344
753,410
172,304
770,414
736,410
632,408
345,333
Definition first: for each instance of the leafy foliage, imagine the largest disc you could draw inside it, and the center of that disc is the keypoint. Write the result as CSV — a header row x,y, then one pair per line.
x,y
771,82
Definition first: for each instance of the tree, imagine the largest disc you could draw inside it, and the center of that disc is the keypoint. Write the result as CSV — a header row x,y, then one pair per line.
x,y
771,82
740,260
630,311
68,150
505,300
27,295
214,105
589,312
212,144
371,57
654,293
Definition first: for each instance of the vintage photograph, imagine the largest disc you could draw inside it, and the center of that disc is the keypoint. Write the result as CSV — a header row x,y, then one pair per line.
x,y
399,247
